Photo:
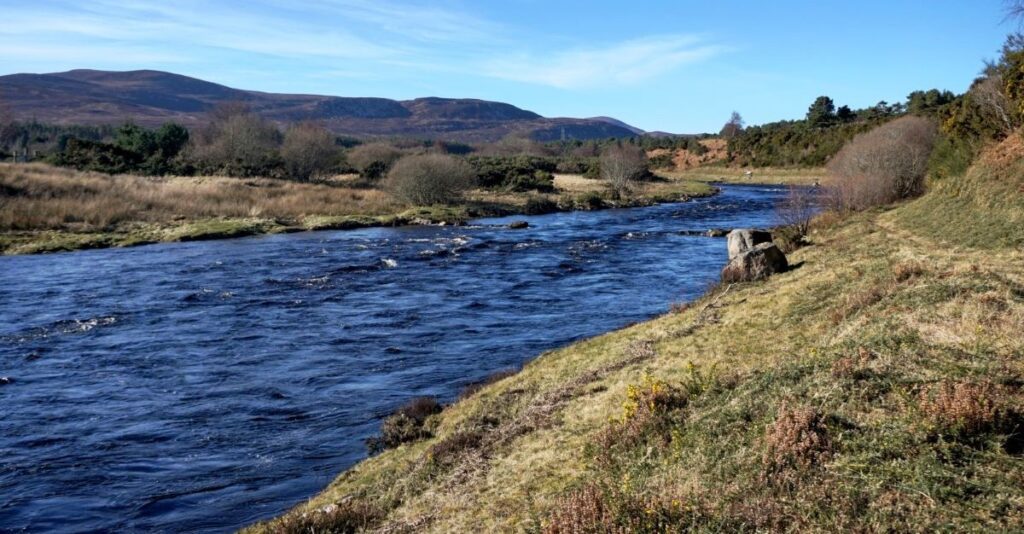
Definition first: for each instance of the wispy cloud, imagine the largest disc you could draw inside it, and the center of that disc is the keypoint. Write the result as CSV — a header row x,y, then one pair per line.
x,y
627,63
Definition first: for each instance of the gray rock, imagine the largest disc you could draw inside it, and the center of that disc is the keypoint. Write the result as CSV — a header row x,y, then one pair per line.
x,y
744,239
717,232
517,225
758,263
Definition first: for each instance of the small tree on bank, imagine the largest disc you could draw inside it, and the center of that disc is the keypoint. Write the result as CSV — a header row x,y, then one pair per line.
x,y
373,160
733,127
308,151
237,142
430,179
622,166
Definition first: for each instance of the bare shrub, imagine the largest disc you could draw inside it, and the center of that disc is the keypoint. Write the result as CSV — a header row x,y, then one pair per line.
x,y
308,151
798,208
236,142
405,425
797,441
622,166
961,408
373,160
430,179
882,166
346,517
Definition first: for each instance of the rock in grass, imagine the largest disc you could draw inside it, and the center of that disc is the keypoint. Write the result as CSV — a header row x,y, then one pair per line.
x,y
758,263
518,225
744,239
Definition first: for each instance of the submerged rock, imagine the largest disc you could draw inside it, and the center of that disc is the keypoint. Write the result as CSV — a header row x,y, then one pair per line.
x,y
518,225
744,239
758,263
4,380
717,232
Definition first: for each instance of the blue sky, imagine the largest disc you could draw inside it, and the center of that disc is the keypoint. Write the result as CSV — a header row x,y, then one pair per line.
x,y
678,66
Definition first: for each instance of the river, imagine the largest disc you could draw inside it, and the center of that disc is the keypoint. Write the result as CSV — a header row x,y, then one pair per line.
x,y
203,386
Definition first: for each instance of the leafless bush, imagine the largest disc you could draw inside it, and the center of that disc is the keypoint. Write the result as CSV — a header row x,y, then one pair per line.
x,y
991,99
882,166
798,208
308,151
373,160
622,166
236,142
430,179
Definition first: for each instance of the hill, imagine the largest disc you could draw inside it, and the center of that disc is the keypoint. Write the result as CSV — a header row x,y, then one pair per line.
x,y
151,98
875,387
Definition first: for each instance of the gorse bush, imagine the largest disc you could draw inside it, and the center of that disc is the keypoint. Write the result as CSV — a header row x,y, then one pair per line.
x,y
884,165
430,179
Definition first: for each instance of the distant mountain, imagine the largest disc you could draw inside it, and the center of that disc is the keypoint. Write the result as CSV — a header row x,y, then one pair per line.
x,y
151,98
620,124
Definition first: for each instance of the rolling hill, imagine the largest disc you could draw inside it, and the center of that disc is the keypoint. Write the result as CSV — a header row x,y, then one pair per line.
x,y
152,97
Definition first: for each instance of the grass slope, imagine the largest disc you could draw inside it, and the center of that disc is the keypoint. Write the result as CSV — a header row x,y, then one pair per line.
x,y
876,387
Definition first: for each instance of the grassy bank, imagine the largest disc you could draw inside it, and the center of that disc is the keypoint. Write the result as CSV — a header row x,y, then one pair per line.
x,y
48,209
737,175
874,387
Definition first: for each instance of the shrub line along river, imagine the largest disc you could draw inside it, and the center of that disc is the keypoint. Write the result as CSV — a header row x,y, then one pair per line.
x,y
203,386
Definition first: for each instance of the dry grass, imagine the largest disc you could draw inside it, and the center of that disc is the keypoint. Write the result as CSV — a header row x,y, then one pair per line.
x,y
734,175
39,197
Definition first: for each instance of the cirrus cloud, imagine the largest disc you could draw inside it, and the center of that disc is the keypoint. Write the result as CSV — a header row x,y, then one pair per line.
x,y
627,63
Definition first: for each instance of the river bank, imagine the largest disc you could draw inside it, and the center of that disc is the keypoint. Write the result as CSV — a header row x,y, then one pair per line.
x,y
48,209
874,386
217,383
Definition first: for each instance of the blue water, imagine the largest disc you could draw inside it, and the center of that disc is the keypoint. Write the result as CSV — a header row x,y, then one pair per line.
x,y
203,386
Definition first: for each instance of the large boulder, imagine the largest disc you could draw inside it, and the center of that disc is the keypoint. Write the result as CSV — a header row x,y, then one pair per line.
x,y
761,261
745,239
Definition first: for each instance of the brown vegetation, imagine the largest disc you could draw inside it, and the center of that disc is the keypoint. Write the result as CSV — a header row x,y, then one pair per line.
x,y
882,166
39,197
622,166
308,151
797,440
430,179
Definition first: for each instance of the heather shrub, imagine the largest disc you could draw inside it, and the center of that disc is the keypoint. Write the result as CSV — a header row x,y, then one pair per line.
x,y
430,179
405,425
960,409
882,166
795,442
